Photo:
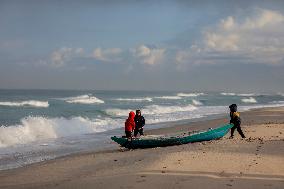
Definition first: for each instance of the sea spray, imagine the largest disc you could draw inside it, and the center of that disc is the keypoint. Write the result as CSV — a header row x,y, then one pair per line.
x,y
39,128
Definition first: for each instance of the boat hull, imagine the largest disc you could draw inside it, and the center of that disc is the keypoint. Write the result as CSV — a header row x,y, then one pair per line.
x,y
210,134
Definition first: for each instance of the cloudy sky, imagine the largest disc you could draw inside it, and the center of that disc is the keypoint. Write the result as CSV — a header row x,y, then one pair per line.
x,y
143,45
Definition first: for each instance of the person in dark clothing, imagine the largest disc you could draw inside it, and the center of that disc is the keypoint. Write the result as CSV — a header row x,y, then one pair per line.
x,y
236,120
139,123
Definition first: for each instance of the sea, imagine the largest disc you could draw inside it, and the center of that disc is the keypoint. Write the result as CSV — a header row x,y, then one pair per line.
x,y
39,125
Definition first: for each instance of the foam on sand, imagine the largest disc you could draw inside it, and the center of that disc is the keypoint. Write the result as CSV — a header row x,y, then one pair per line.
x,y
31,103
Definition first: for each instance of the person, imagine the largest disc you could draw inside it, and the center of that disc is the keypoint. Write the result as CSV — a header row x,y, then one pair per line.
x,y
236,120
129,125
139,123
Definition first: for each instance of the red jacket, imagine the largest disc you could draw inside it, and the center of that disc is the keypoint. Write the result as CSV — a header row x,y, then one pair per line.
x,y
130,123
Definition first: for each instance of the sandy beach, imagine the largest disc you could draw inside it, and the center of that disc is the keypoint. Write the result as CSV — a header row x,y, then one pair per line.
x,y
254,162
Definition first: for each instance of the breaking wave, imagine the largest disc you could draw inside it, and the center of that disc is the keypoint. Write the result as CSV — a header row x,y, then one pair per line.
x,y
240,94
249,100
247,94
189,94
135,99
169,97
31,103
40,128
84,99
152,110
228,94
196,102
157,109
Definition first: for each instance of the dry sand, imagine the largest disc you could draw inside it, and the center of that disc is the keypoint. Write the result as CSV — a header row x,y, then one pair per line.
x,y
256,162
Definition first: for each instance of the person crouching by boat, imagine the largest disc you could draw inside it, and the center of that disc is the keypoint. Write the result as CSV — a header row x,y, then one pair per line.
x,y
129,125
236,120
139,123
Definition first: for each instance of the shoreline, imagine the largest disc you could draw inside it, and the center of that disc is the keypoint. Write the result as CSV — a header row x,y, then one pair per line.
x,y
114,164
197,124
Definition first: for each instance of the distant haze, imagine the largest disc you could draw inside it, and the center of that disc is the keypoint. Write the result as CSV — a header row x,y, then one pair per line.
x,y
178,45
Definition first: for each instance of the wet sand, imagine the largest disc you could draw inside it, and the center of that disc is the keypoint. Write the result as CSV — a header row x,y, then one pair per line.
x,y
256,162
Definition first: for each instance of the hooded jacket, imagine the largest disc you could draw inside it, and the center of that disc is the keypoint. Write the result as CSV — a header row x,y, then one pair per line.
x,y
129,123
235,118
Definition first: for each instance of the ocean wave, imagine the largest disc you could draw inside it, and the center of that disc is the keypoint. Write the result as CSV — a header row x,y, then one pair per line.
x,y
157,109
84,99
189,94
228,94
152,110
169,97
196,102
247,94
118,112
41,128
31,103
249,100
135,99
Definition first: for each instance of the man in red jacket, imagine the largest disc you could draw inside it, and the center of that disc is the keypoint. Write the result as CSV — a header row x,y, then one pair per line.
x,y
130,124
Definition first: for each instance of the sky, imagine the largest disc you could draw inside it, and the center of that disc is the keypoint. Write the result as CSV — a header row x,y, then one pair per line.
x,y
225,45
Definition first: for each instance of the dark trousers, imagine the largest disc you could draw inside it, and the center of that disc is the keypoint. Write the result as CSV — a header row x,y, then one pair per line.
x,y
128,143
138,130
128,134
238,127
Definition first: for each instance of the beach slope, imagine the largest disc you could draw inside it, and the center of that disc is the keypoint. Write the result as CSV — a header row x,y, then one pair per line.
x,y
256,162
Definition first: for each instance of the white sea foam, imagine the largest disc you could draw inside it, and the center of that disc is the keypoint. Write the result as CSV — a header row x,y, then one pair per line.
x,y
135,99
249,100
247,94
84,99
118,112
169,97
157,109
196,102
40,128
189,94
152,110
228,94
31,103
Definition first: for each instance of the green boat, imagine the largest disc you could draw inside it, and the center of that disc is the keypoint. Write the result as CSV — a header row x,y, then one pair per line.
x,y
151,141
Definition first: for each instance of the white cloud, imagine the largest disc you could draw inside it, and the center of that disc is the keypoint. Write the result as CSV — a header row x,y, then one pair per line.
x,y
257,38
61,56
147,55
107,55
264,18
